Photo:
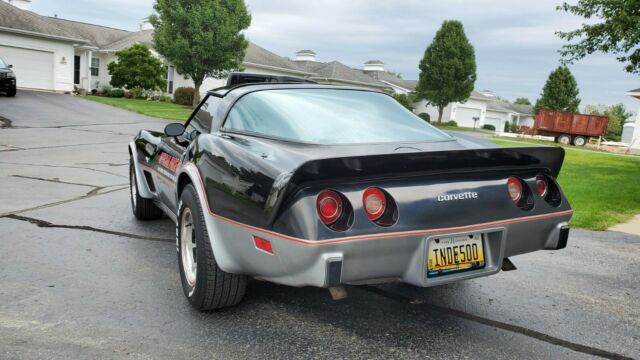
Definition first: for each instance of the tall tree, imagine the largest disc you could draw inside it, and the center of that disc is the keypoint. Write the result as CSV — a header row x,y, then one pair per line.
x,y
618,32
560,92
448,68
137,67
201,38
522,101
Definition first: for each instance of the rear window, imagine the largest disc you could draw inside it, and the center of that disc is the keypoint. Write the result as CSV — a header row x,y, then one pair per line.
x,y
329,116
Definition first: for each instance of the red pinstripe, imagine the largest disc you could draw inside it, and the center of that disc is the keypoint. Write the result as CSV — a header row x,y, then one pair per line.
x,y
375,236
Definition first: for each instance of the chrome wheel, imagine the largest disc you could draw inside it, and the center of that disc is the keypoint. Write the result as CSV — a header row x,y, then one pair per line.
x,y
188,247
132,185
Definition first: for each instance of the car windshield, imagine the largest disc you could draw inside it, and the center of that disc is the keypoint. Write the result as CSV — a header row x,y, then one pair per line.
x,y
329,116
2,64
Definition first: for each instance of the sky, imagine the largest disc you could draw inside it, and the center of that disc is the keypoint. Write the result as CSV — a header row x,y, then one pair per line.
x,y
514,40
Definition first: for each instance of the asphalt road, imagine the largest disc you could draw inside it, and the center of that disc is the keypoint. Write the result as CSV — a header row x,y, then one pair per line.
x,y
81,278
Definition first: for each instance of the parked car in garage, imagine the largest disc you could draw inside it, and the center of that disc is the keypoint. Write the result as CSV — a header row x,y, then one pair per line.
x,y
7,79
317,185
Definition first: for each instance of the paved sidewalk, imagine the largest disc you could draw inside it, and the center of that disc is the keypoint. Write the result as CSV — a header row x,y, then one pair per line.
x,y
630,227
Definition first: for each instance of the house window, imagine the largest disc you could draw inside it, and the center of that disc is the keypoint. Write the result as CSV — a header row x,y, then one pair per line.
x,y
95,66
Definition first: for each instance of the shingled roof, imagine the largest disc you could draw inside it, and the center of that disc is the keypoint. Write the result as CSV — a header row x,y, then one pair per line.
x,y
22,21
97,35
139,37
257,55
391,79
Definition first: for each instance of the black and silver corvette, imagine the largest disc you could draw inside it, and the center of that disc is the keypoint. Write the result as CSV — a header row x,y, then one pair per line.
x,y
304,184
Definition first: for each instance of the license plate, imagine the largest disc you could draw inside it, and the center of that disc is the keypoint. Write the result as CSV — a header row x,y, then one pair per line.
x,y
447,255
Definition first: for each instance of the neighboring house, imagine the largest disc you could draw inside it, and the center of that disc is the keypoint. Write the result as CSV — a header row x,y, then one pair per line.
x,y
482,108
635,138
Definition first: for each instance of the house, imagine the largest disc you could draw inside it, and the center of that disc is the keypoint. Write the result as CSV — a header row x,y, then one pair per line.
x,y
635,138
482,108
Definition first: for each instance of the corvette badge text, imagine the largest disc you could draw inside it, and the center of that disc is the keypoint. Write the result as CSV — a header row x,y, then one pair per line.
x,y
459,196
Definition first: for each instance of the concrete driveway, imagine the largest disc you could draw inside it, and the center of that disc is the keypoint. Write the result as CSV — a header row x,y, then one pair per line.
x,y
80,278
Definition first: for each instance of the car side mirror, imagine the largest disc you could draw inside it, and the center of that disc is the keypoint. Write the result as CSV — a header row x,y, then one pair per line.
x,y
174,129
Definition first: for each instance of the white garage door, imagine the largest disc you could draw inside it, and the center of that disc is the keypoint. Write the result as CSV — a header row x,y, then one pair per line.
x,y
495,122
464,116
33,68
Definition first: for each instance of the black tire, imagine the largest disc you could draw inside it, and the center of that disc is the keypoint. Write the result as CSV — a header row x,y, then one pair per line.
x,y
143,209
564,139
579,141
213,288
11,93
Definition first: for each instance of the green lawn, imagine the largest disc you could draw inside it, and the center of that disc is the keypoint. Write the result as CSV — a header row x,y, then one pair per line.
x,y
603,189
163,110
458,128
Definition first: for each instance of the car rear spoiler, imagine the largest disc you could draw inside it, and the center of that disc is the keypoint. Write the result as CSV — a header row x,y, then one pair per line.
x,y
548,159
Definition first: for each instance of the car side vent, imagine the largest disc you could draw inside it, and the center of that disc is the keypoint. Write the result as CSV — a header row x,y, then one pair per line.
x,y
150,183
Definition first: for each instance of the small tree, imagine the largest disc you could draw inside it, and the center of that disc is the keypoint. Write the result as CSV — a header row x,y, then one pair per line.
x,y
617,33
560,92
448,68
617,116
137,67
404,100
522,101
201,38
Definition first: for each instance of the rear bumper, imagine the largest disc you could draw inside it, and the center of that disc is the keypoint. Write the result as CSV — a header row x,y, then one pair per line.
x,y
382,257
399,257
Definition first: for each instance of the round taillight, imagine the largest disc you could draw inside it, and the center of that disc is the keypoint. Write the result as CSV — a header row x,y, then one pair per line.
x,y
542,186
374,202
514,187
329,206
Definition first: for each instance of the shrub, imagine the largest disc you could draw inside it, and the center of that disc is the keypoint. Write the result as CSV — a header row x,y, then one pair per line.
x,y
507,127
94,92
164,98
426,117
488,127
451,123
404,100
184,95
128,95
137,92
116,93
106,90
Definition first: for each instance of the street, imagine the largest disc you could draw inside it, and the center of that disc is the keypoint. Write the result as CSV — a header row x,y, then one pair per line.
x,y
80,277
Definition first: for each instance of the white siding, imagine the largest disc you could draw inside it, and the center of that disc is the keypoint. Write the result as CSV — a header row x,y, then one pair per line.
x,y
422,107
61,63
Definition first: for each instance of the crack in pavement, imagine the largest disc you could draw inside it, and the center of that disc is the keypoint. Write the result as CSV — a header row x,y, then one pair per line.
x,y
104,163
500,325
64,167
58,181
77,125
46,224
93,192
58,146
5,123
